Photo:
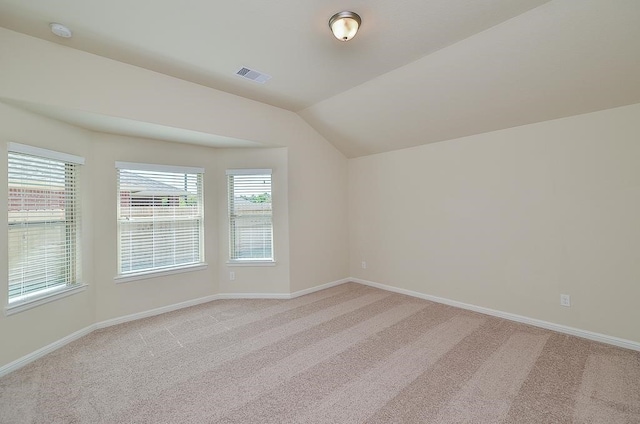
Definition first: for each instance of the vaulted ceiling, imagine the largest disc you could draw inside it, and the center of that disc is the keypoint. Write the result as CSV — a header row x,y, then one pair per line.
x,y
419,71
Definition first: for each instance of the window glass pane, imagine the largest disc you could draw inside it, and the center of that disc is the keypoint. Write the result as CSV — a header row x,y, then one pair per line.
x,y
160,220
250,217
43,226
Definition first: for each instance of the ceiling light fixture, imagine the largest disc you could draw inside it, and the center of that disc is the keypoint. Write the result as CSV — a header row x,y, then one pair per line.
x,y
60,30
344,25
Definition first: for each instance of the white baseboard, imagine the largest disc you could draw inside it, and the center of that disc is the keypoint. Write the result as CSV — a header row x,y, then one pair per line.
x,y
27,359
603,338
254,296
282,295
598,337
318,288
156,311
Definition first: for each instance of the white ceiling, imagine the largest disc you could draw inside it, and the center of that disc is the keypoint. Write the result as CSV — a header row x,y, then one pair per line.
x,y
419,71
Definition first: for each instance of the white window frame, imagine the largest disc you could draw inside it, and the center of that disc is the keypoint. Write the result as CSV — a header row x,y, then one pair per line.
x,y
233,260
72,257
157,271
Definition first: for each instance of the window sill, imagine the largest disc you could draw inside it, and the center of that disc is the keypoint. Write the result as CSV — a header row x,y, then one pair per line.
x,y
41,300
251,263
158,273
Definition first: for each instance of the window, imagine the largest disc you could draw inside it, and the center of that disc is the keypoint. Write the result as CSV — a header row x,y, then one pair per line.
x,y
160,217
250,215
44,217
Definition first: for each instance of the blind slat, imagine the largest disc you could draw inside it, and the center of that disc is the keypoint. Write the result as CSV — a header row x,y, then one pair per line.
x,y
43,219
250,215
160,217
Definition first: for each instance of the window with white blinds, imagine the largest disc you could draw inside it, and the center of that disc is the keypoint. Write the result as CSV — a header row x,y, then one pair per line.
x,y
250,215
44,222
160,217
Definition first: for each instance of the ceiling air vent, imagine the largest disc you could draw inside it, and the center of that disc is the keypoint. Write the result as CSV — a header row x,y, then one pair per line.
x,y
253,75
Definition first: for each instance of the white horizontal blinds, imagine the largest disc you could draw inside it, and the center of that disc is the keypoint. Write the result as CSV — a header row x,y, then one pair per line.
x,y
250,215
160,217
43,216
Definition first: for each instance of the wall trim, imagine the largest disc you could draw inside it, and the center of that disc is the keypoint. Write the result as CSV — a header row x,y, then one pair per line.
x,y
598,337
254,296
30,357
156,311
320,287
283,295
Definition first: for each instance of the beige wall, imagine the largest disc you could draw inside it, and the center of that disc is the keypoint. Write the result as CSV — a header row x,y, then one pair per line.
x,y
117,300
511,219
256,279
317,171
27,331
104,299
318,221
506,220
310,179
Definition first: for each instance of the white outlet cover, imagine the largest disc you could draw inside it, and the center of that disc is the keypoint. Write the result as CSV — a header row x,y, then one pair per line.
x,y
565,300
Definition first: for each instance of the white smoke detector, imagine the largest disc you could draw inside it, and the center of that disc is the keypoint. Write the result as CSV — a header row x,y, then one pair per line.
x,y
60,30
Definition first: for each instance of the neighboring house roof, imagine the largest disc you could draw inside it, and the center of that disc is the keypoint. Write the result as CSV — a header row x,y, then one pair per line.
x,y
141,186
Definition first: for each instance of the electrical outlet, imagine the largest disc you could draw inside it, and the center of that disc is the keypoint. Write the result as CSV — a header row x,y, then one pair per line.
x,y
364,264
232,275
565,300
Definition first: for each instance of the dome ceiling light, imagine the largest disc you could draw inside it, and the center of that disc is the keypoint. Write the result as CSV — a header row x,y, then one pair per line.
x,y
344,25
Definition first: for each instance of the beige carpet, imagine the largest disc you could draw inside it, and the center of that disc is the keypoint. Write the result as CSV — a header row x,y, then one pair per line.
x,y
349,354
